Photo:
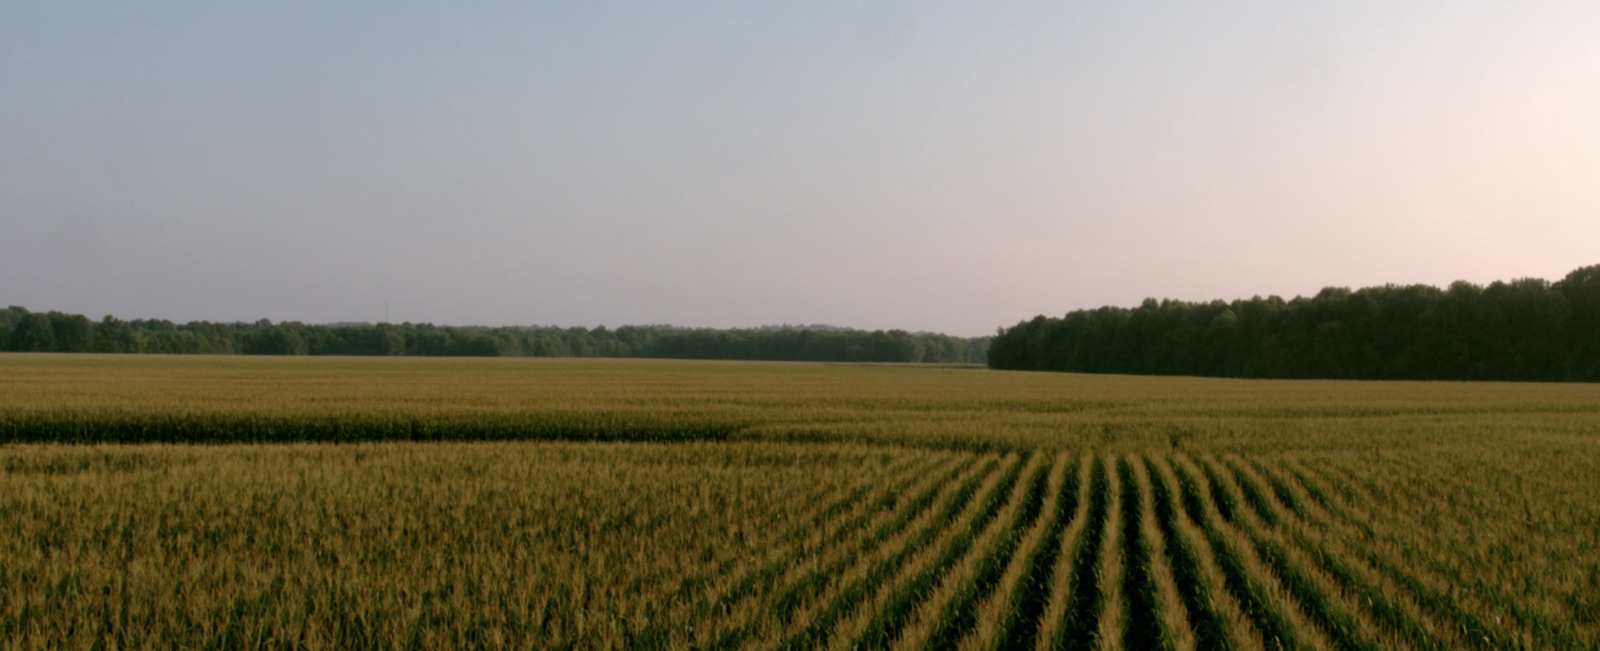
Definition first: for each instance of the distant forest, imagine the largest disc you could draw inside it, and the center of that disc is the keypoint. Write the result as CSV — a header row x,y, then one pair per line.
x,y
1527,329
24,331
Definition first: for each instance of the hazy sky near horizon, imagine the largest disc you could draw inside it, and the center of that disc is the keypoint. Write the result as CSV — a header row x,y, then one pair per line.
x,y
929,166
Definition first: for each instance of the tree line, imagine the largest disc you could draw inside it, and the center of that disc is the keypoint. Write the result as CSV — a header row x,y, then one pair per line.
x,y
1525,329
25,331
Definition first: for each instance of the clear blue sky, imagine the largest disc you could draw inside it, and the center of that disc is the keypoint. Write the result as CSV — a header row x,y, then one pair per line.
x,y
927,166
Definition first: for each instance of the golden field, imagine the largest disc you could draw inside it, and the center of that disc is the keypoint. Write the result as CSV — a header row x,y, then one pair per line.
x,y
391,502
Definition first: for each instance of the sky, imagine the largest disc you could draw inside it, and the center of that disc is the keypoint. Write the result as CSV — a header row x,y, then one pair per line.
x,y
930,166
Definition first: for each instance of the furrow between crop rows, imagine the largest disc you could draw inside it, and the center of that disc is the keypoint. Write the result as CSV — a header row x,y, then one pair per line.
x,y
1159,592
1432,593
1314,532
1010,618
1266,563
1320,600
887,517
1195,585
900,605
1144,628
1079,621
1530,612
910,562
1055,595
1479,611
856,580
834,525
692,587
976,578
1209,508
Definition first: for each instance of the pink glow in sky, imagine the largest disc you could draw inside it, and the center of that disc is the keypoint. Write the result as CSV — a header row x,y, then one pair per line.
x,y
735,164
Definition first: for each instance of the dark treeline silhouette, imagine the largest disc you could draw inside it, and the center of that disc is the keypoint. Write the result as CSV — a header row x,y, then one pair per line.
x,y
1527,329
24,331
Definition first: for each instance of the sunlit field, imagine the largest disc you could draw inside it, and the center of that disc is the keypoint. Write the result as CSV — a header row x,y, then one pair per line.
x,y
396,502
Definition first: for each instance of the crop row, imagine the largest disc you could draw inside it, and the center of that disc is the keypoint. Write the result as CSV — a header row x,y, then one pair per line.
x,y
377,546
88,399
728,545
88,427
1142,552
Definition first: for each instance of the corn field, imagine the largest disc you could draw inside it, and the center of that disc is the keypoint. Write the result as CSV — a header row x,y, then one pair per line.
x,y
271,503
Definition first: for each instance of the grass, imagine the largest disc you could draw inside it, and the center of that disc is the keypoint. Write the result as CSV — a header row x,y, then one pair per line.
x,y
380,503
